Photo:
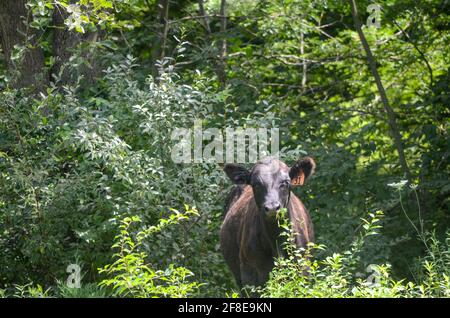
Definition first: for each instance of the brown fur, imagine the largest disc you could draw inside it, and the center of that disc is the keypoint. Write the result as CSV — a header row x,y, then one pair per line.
x,y
250,241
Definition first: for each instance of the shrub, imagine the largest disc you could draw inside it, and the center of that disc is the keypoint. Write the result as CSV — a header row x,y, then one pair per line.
x,y
72,166
131,277
339,275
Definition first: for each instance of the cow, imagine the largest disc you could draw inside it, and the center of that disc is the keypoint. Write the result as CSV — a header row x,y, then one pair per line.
x,y
250,235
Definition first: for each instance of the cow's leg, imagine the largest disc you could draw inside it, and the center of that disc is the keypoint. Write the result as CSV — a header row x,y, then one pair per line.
x,y
249,277
233,265
264,270
235,269
230,250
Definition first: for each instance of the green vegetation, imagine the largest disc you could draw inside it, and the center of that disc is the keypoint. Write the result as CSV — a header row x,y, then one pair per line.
x,y
90,92
337,275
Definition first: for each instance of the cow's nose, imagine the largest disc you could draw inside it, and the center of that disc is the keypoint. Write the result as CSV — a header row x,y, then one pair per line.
x,y
274,207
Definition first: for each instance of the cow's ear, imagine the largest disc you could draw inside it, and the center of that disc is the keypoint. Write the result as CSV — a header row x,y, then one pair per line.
x,y
301,170
237,173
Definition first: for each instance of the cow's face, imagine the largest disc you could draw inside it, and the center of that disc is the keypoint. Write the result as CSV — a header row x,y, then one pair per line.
x,y
271,181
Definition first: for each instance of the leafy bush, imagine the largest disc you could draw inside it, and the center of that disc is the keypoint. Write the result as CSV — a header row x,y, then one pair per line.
x,y
339,275
89,290
71,167
29,290
76,159
131,277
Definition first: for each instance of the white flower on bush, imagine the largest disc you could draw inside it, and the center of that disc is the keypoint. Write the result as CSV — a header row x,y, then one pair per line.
x,y
398,185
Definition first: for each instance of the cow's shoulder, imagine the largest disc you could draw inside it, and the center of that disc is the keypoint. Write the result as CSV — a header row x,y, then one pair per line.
x,y
301,219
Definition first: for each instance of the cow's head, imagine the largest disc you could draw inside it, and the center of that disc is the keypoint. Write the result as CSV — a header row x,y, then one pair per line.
x,y
271,180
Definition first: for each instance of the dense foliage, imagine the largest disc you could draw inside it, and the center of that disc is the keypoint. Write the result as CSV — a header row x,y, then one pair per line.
x,y
340,274
86,175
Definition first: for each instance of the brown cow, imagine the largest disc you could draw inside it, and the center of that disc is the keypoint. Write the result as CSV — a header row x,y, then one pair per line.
x,y
250,235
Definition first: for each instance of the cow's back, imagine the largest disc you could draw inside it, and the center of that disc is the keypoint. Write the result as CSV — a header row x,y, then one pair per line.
x,y
233,196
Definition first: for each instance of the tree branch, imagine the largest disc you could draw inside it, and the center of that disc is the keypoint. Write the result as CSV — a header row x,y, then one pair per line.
x,y
390,112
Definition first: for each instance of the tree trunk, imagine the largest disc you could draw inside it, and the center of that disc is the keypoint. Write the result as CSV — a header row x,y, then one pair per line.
x,y
390,112
164,20
159,47
223,48
65,42
304,64
15,30
202,12
218,61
